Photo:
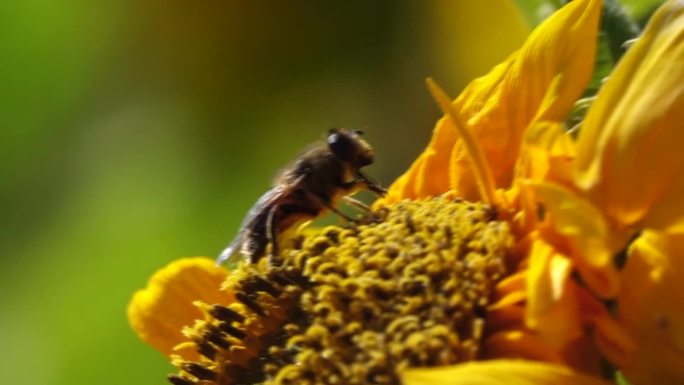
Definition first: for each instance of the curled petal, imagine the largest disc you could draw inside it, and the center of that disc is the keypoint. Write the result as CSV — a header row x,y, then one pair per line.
x,y
591,240
159,312
616,344
630,161
499,372
552,307
541,81
548,155
651,308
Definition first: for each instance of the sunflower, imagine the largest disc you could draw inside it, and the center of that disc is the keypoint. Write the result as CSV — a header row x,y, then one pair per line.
x,y
508,252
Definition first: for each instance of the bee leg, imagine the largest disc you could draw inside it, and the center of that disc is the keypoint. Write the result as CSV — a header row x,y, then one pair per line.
x,y
371,185
356,203
356,184
326,203
338,212
271,235
370,215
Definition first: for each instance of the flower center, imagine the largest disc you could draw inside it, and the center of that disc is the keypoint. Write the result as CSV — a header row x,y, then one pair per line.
x,y
357,305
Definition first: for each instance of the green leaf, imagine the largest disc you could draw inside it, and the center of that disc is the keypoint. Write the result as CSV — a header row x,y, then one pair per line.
x,y
605,62
617,26
535,11
641,9
620,379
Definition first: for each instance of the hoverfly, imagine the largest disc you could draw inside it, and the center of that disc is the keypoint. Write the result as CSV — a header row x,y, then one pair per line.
x,y
313,184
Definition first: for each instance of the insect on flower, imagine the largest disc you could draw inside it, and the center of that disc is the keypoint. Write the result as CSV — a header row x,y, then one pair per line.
x,y
313,184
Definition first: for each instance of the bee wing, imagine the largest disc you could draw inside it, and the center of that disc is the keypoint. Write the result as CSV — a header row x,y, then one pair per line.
x,y
231,254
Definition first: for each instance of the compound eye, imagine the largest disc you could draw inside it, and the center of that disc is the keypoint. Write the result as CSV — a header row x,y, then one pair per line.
x,y
342,146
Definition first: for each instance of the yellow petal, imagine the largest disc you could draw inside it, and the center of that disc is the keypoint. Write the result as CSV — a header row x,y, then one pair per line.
x,y
583,224
630,160
651,308
478,164
541,81
519,344
611,337
159,312
552,307
499,372
548,155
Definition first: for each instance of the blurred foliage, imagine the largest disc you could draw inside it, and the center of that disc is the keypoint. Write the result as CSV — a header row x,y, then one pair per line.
x,y
137,132
534,11
617,28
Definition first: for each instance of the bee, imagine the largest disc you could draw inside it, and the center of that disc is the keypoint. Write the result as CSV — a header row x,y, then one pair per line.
x,y
314,183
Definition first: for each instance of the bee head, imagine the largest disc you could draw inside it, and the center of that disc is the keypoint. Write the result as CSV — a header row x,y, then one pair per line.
x,y
350,147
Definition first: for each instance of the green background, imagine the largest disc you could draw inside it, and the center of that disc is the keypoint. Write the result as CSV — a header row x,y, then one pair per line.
x,y
136,132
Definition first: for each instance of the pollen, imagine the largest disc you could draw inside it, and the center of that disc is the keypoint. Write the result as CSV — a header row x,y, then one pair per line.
x,y
407,286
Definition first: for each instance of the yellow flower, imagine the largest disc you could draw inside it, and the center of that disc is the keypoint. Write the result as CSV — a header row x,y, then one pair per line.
x,y
443,281
349,305
629,183
503,128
